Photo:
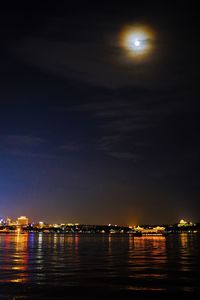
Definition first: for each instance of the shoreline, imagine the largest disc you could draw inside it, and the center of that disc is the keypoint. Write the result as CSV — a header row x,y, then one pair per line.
x,y
164,234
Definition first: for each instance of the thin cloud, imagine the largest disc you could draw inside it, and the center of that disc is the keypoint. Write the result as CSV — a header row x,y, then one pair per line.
x,y
126,155
21,140
70,147
120,123
92,55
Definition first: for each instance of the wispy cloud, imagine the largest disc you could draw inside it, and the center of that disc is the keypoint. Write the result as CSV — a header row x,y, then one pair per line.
x,y
126,155
120,123
91,55
70,147
36,147
20,145
21,140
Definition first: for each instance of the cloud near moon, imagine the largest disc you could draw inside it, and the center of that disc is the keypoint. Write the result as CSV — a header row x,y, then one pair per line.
x,y
108,61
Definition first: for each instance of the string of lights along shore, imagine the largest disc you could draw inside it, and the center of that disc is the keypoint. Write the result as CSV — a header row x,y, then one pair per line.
x,y
22,225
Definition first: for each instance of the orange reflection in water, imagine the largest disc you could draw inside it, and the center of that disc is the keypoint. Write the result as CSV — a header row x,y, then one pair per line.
x,y
147,257
154,244
184,252
184,240
17,263
22,260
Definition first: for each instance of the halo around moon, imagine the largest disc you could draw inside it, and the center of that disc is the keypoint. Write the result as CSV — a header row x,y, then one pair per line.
x,y
138,42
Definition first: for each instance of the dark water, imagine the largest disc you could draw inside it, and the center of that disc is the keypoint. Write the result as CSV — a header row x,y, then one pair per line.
x,y
139,265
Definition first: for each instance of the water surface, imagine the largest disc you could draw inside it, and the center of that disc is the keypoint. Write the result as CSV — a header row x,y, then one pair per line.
x,y
154,265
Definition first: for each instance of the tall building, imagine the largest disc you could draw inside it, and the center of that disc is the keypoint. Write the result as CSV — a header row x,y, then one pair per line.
x,y
8,221
22,221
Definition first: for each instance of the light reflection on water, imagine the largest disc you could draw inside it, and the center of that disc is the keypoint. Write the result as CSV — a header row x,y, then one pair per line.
x,y
14,258
121,261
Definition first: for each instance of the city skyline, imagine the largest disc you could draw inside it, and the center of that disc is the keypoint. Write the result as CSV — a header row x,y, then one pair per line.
x,y
24,220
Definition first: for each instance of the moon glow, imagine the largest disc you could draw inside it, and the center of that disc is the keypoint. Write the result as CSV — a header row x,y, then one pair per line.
x,y
138,42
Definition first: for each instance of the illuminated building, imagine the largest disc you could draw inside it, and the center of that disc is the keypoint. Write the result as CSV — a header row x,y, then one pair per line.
x,y
183,223
158,230
41,224
22,221
8,221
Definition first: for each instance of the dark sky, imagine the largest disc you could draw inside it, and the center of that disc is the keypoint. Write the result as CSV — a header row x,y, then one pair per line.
x,y
87,134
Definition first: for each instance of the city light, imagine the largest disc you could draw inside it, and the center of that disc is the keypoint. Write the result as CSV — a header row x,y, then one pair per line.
x,y
22,225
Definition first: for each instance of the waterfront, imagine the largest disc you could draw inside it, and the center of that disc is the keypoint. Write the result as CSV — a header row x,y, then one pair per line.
x,y
153,266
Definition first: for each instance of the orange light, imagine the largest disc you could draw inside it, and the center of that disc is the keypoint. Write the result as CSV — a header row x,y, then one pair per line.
x,y
138,41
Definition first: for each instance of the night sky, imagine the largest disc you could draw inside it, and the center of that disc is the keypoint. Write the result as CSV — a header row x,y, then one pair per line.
x,y
88,134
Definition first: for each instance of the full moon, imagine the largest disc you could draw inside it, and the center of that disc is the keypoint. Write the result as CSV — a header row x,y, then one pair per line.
x,y
137,41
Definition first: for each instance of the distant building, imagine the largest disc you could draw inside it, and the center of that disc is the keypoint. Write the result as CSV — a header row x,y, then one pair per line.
x,y
22,221
41,224
183,223
8,221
